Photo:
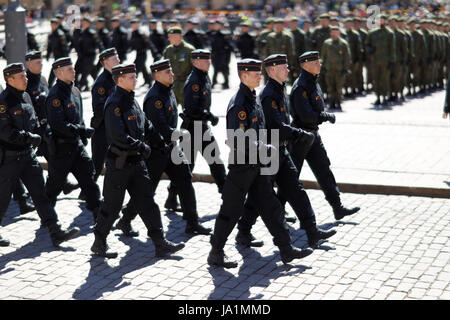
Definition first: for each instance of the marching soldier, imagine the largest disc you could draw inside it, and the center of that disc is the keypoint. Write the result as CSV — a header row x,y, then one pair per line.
x,y
307,105
418,46
397,72
18,127
129,134
56,45
261,40
119,38
275,104
300,43
336,58
179,54
191,36
160,107
318,37
353,39
158,39
64,108
140,43
307,28
359,69
105,38
221,49
245,113
245,42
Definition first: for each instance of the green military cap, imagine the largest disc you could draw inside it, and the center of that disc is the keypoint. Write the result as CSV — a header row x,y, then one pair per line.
x,y
61,62
334,28
123,69
13,68
278,20
334,19
293,19
383,16
269,20
349,19
175,30
244,24
412,20
324,16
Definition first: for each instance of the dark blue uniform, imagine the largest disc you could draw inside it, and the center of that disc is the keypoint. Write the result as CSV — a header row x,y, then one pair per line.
x,y
197,105
307,107
159,42
120,42
57,46
18,160
141,43
102,89
127,130
276,112
65,117
245,112
105,37
88,43
221,49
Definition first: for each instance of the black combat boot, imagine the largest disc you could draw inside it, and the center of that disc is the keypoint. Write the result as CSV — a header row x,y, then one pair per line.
x,y
3,242
58,235
25,207
248,240
125,225
69,187
194,227
289,253
316,234
164,246
218,258
172,202
341,212
100,247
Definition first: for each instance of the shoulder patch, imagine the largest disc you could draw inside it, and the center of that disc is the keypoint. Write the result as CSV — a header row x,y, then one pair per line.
x,y
101,90
242,115
56,102
117,112
305,94
274,105
158,104
195,88
2,108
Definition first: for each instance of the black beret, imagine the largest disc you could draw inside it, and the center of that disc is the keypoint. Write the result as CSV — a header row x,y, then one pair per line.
x,y
249,65
61,62
160,65
308,56
105,54
13,68
275,59
201,54
123,69
33,55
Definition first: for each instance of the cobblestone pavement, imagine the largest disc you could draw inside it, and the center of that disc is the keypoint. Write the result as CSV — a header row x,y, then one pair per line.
x,y
396,247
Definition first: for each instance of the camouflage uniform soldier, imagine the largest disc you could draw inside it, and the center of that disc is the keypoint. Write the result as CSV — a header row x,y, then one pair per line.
x,y
336,58
300,40
307,28
427,73
380,46
354,42
401,53
359,72
318,37
261,40
280,41
179,54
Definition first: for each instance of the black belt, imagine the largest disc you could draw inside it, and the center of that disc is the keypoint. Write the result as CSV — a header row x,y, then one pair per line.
x,y
13,153
67,140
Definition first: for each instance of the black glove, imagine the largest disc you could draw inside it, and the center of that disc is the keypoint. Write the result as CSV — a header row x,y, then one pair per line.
x,y
306,138
34,139
213,119
145,150
328,116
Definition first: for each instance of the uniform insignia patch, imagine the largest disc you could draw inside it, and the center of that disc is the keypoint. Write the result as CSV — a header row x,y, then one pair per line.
x,y
205,92
117,111
17,112
2,108
305,95
242,115
56,103
255,119
158,104
274,105
195,88
282,109
101,90
131,117
70,105
317,97
36,92
171,108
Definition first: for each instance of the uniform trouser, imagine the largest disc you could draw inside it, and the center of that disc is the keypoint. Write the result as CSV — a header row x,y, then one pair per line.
x,y
381,78
289,185
323,83
19,192
141,67
26,168
417,80
86,68
72,158
243,179
396,77
319,163
178,90
211,147
135,179
335,81
99,147
224,70
358,78
180,175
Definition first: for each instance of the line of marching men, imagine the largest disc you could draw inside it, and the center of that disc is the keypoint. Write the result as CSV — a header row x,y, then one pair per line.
x,y
136,146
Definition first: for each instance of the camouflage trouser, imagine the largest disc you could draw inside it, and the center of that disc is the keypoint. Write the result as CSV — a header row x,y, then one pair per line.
x,y
178,90
396,77
334,81
381,78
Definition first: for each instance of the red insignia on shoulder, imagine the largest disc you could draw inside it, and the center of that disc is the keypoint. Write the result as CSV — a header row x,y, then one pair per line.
x,y
242,115
56,102
195,88
101,90
158,104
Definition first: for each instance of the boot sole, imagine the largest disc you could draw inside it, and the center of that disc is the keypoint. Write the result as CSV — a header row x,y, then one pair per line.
x,y
250,245
303,255
104,255
69,237
164,253
226,266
